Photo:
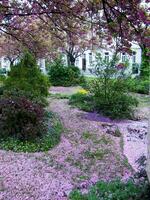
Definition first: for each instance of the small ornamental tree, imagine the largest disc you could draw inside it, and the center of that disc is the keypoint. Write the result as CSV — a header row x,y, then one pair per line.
x,y
26,76
110,90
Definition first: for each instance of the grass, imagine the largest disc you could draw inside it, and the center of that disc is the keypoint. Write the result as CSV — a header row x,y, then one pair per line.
x,y
44,143
59,96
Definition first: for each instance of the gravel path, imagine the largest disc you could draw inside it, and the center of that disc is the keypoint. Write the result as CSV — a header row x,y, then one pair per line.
x,y
84,155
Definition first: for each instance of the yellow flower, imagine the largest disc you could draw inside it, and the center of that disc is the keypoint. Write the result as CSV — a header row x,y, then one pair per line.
x,y
83,91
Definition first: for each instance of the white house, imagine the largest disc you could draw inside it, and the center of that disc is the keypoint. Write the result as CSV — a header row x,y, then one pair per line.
x,y
85,62
5,64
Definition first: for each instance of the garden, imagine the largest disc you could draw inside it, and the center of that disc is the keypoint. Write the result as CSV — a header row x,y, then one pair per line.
x,y
63,120
66,134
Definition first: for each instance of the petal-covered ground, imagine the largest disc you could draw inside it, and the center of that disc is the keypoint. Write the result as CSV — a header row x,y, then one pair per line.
x,y
84,155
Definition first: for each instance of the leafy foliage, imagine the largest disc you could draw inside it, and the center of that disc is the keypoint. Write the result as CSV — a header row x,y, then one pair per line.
x,y
21,118
61,75
145,67
26,76
25,125
139,85
114,190
110,91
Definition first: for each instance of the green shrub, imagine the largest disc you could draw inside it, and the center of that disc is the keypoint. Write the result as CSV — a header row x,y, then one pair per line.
x,y
139,85
26,76
61,75
114,190
114,102
82,101
109,90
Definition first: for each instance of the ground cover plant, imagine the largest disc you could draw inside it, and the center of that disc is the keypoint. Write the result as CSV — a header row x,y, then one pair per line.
x,y
62,75
114,190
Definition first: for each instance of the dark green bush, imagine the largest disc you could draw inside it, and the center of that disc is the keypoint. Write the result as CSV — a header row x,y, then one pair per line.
x,y
61,75
26,76
114,190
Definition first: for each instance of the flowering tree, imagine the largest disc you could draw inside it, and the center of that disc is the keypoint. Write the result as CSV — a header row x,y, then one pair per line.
x,y
74,41
33,41
10,49
127,20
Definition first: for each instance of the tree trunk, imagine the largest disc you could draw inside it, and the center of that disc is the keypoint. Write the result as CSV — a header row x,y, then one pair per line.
x,y
71,59
11,63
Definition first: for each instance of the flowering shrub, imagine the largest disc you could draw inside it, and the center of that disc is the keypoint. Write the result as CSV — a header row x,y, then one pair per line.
x,y
83,91
21,118
120,66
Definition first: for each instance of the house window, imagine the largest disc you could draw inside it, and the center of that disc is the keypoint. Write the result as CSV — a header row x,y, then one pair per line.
x,y
84,62
90,58
134,57
135,68
123,57
77,61
106,56
84,56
